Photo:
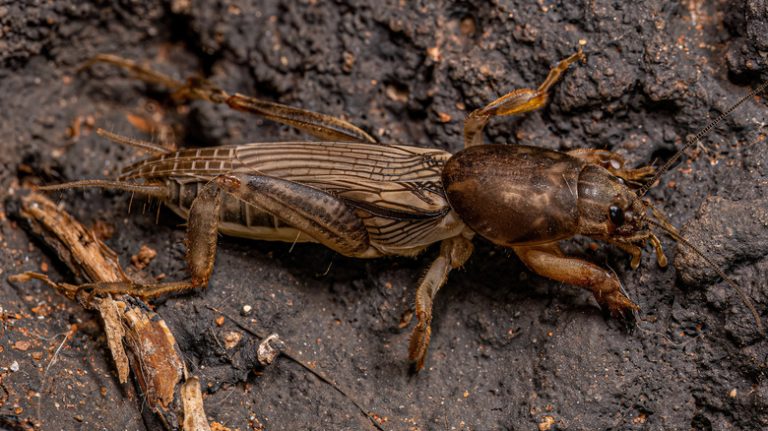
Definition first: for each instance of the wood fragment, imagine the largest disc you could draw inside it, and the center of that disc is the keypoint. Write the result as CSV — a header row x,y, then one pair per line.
x,y
154,351
76,246
138,339
113,328
194,417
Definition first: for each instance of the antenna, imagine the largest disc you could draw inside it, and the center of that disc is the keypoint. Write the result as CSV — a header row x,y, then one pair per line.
x,y
744,298
697,138
664,225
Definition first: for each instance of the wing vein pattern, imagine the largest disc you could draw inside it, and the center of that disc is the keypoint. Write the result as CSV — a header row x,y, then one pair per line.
x,y
396,190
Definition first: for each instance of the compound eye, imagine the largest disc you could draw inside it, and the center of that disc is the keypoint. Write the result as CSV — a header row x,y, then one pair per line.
x,y
617,215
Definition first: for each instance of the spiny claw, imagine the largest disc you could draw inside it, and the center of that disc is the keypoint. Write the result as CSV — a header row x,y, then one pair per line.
x,y
617,303
417,349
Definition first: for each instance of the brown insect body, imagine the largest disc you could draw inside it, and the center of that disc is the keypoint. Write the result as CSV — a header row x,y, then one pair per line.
x,y
517,195
364,199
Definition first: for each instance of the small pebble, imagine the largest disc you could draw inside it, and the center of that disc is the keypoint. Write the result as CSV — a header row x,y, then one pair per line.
x,y
15,366
246,310
231,339
268,349
22,345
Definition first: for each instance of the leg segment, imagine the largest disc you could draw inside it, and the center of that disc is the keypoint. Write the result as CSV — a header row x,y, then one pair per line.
x,y
202,233
515,102
549,261
634,251
453,253
322,126
326,218
325,127
614,163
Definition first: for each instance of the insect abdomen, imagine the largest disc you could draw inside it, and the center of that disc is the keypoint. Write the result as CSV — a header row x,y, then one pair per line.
x,y
513,194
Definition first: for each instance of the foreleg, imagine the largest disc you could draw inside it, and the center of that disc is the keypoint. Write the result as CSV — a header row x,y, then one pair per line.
x,y
549,261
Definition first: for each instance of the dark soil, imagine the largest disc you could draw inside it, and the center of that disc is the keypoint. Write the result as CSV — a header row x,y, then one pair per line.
x,y
510,350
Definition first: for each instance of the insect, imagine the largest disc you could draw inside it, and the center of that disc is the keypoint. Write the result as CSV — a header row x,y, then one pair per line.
x,y
364,199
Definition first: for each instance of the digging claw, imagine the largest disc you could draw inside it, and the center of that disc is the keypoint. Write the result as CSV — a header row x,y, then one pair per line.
x,y
417,349
617,304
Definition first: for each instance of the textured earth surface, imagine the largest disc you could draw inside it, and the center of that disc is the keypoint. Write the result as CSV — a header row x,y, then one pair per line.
x,y
510,350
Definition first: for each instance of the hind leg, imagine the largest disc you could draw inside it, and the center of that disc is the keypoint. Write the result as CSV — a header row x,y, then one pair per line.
x,y
202,234
325,127
321,216
516,102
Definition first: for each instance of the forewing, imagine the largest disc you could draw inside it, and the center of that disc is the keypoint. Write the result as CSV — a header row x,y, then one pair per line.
x,y
397,178
397,189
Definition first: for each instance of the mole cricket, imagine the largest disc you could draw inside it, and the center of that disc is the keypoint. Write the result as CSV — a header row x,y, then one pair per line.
x,y
365,199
